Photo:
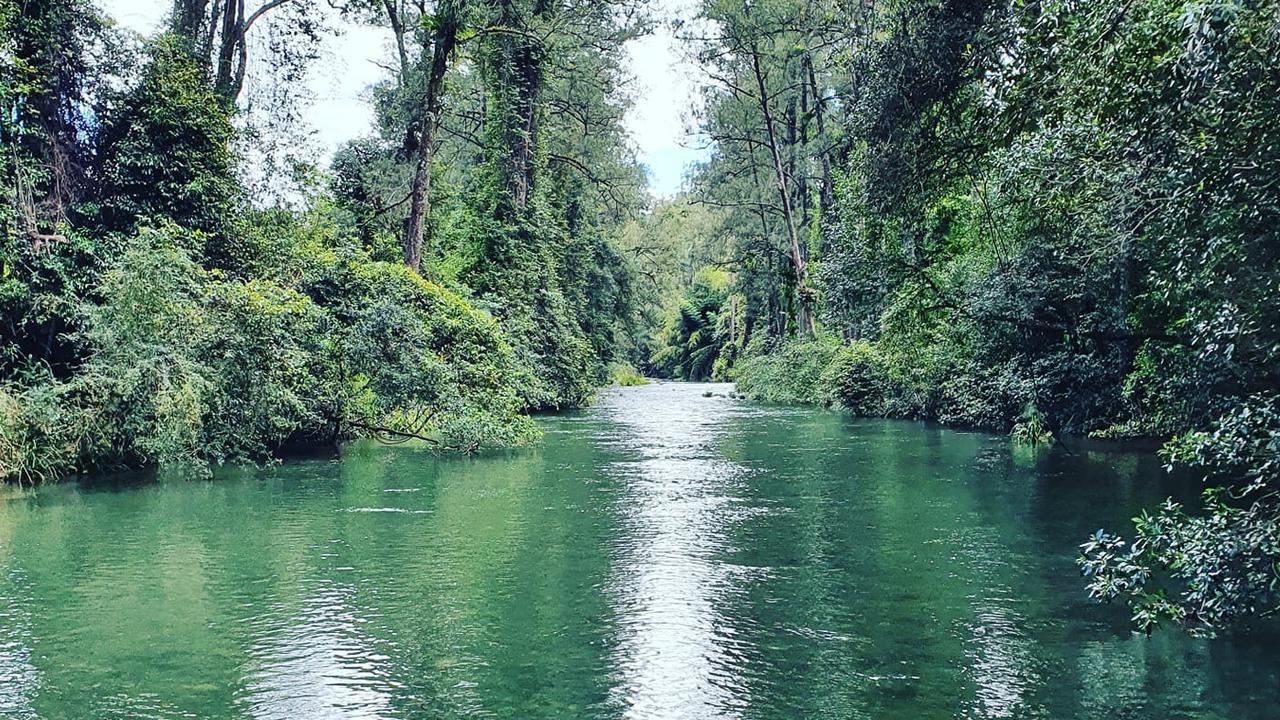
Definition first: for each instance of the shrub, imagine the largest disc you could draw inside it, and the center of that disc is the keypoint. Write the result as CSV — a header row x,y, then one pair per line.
x,y
38,440
416,359
146,380
186,364
626,376
856,381
793,374
1031,427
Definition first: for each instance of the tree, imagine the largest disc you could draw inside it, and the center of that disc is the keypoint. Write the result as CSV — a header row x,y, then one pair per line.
x,y
218,33
48,79
165,148
767,119
447,24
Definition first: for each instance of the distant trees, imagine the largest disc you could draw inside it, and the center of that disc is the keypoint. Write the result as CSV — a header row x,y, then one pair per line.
x,y
533,94
767,115
698,333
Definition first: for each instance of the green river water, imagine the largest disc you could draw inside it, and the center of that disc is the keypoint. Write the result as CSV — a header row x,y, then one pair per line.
x,y
659,555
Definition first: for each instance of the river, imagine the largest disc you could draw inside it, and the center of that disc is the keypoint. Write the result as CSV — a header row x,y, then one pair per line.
x,y
660,555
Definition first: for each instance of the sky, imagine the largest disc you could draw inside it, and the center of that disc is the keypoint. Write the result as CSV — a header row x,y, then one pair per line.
x,y
664,90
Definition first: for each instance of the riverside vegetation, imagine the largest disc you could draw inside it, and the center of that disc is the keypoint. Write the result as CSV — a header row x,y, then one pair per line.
x,y
1045,218
158,305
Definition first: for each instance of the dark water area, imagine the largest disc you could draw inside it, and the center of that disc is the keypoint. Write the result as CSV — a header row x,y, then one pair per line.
x,y
659,555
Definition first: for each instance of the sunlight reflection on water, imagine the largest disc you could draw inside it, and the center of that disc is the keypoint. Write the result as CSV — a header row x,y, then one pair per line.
x,y
19,679
678,656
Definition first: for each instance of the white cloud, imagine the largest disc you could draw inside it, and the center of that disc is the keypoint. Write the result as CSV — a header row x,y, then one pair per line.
x,y
350,66
138,15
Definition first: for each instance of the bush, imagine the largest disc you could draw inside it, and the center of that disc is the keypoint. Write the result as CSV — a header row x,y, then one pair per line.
x,y
793,374
625,376
856,381
1031,428
37,442
186,364
416,359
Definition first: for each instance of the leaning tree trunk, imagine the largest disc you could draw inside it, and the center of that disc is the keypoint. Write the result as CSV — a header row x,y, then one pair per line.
x,y
803,319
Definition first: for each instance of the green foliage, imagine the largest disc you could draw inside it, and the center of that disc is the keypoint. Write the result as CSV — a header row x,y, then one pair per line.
x,y
625,375
192,365
176,317
662,251
1211,566
857,380
1031,429
690,341
1165,387
415,359
165,148
148,378
797,373
364,176
182,365
511,280
41,291
37,441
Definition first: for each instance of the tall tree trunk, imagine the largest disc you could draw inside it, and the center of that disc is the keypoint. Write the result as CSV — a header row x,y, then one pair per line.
x,y
448,21
796,116
229,48
514,79
803,319
218,36
188,17
396,21
826,193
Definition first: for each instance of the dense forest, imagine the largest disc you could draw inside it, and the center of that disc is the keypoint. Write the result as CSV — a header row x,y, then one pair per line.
x,y
1046,218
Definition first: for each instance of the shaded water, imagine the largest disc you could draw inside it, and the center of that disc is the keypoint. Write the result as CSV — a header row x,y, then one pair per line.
x,y
661,555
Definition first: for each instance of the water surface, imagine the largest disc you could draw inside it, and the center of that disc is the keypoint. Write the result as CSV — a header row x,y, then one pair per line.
x,y
660,555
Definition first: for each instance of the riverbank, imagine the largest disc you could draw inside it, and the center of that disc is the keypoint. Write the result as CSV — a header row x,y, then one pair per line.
x,y
181,364
863,380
